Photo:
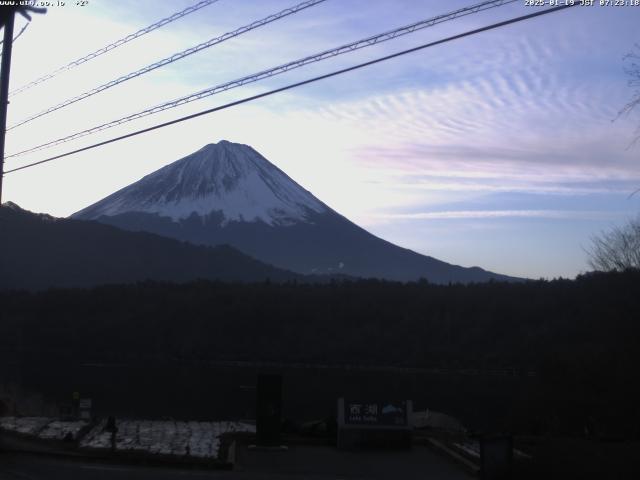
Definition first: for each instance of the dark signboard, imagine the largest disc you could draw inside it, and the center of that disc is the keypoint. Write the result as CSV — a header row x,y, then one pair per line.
x,y
269,409
387,414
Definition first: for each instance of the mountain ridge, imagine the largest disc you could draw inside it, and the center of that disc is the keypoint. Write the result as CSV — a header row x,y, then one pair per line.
x,y
38,251
223,201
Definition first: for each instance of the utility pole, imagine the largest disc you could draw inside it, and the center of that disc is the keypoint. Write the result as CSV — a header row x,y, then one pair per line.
x,y
4,89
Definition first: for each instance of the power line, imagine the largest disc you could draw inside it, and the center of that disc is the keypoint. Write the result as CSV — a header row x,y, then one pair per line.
x,y
8,15
299,84
117,43
17,36
21,31
373,40
24,27
173,58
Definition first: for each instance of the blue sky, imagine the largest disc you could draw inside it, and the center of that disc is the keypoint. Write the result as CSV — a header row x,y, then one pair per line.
x,y
498,150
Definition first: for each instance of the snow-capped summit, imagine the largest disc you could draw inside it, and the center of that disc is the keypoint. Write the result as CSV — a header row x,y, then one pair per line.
x,y
227,193
226,178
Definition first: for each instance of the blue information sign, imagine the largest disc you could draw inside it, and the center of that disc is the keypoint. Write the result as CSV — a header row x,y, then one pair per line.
x,y
393,413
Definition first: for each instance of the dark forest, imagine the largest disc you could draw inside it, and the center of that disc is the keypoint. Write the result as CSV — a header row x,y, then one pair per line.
x,y
576,339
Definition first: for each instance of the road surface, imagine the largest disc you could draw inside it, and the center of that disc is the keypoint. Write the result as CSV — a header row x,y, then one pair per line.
x,y
309,463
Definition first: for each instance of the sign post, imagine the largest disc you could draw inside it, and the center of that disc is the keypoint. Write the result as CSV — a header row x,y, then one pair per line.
x,y
496,457
85,408
269,410
75,403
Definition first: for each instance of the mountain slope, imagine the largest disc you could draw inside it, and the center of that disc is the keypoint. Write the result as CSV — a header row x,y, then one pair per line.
x,y
228,193
39,251
234,179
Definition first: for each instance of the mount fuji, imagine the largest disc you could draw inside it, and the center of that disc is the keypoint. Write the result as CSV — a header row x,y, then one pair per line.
x,y
227,193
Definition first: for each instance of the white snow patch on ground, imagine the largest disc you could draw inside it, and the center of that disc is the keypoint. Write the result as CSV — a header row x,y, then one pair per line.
x,y
471,448
197,439
97,437
436,420
58,430
24,425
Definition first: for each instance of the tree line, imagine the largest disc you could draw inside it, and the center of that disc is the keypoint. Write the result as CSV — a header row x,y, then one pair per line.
x,y
579,335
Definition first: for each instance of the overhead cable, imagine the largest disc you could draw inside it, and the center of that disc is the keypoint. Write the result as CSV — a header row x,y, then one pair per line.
x,y
298,84
369,41
111,46
173,58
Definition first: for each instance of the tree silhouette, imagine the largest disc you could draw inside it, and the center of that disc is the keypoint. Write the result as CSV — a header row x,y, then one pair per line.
x,y
618,249
632,69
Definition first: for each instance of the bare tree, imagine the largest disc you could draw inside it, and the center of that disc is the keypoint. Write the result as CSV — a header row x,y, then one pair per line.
x,y
616,249
619,248
632,69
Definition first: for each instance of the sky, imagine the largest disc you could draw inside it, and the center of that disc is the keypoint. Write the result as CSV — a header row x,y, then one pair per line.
x,y
502,149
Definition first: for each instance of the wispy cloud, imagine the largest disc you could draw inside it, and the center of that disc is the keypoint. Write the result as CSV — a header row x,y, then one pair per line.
x,y
479,214
524,120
